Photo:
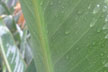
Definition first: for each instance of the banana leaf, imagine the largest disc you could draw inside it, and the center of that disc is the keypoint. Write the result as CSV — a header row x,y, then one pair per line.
x,y
68,35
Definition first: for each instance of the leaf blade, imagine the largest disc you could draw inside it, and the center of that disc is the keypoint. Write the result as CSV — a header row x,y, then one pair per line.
x,y
75,35
11,54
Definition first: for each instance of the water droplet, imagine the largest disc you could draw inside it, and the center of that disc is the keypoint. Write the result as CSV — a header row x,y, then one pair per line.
x,y
105,27
67,32
94,43
99,30
105,8
106,37
102,54
63,7
106,19
89,6
93,22
3,30
98,5
106,65
96,9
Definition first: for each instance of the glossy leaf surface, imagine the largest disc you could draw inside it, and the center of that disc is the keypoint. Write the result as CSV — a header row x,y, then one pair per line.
x,y
68,35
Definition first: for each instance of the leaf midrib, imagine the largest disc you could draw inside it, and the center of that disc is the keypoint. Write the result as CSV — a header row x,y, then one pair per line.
x,y
43,36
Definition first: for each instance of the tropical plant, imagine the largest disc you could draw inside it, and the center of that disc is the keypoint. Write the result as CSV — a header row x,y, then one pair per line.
x,y
68,35
14,40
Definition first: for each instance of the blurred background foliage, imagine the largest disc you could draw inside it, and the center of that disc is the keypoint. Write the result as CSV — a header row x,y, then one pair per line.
x,y
11,13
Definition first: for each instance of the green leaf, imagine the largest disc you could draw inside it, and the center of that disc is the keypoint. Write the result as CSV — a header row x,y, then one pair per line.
x,y
10,52
68,35
6,10
10,3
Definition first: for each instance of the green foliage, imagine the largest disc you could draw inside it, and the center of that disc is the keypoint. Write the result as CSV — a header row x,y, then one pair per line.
x,y
68,35
10,52
14,42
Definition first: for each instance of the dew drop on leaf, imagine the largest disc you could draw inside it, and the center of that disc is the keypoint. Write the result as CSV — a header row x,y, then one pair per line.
x,y
106,19
94,43
96,9
63,7
98,30
93,22
89,6
105,8
3,30
105,27
67,32
106,65
106,37
102,54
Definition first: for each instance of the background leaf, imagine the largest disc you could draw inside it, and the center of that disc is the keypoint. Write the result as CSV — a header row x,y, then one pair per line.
x,y
10,3
10,52
68,35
